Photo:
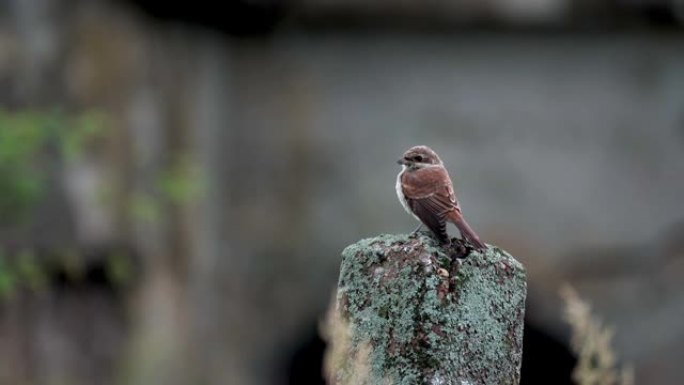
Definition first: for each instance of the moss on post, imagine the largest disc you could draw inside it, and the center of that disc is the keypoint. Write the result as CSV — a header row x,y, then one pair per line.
x,y
407,313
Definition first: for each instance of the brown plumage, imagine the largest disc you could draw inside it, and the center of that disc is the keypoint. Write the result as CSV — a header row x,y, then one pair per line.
x,y
425,190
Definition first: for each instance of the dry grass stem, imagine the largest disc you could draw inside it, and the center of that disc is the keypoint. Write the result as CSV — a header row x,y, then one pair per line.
x,y
591,342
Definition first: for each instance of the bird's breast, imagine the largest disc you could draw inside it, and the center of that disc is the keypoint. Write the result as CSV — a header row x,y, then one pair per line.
x,y
400,194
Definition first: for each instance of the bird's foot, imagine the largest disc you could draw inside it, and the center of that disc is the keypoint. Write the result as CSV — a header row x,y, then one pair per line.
x,y
458,249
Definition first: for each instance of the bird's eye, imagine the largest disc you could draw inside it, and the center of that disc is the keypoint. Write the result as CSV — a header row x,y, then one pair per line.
x,y
418,158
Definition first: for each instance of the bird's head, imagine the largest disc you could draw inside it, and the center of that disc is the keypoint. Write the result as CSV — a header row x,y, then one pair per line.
x,y
419,157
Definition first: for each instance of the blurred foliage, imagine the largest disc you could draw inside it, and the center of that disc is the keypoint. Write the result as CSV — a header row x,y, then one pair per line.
x,y
119,268
22,270
591,342
25,270
29,269
7,279
179,184
144,207
26,138
31,141
72,264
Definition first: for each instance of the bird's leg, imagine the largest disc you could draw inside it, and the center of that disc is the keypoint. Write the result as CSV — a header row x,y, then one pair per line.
x,y
414,232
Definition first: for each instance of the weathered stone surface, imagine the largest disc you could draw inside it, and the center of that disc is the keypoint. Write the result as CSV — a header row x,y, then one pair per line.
x,y
411,314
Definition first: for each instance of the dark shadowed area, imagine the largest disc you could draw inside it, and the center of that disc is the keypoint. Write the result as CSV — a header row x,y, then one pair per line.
x,y
178,179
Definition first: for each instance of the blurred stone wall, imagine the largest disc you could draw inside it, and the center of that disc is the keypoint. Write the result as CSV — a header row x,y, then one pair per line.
x,y
565,148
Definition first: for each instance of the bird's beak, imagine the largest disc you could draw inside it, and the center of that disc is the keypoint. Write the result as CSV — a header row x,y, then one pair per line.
x,y
402,162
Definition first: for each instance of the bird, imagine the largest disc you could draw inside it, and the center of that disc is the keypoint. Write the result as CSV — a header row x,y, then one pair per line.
x,y
425,191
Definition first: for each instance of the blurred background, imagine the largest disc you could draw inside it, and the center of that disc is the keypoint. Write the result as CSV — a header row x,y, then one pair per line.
x,y
177,179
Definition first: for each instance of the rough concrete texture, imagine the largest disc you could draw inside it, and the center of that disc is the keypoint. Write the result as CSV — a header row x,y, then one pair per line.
x,y
415,315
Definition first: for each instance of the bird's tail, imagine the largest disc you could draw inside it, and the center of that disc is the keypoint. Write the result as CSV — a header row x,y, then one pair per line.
x,y
466,232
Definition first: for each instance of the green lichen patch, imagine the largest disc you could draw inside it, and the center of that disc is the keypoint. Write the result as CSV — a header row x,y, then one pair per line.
x,y
430,318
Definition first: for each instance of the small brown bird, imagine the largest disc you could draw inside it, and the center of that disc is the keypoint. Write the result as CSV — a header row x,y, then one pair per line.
x,y
425,190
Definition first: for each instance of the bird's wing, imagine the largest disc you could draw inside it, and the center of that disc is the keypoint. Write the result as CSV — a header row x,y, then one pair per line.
x,y
430,196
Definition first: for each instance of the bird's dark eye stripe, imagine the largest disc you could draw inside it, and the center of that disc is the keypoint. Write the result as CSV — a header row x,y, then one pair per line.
x,y
418,158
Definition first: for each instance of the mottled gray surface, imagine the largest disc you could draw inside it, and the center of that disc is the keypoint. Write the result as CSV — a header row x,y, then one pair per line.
x,y
429,319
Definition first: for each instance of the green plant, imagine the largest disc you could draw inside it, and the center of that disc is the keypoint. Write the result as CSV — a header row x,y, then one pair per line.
x,y
26,138
178,184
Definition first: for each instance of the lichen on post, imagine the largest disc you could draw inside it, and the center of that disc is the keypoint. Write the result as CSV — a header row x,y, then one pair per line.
x,y
407,312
